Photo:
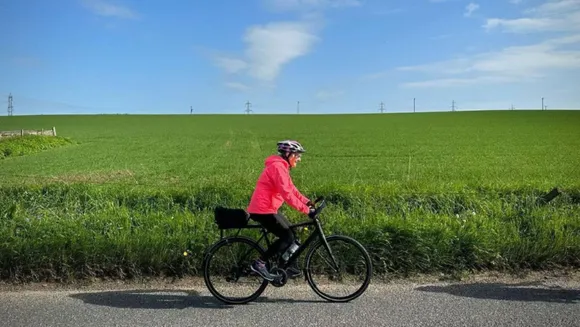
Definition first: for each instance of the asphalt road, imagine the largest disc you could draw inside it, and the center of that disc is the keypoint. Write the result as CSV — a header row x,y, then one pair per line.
x,y
539,302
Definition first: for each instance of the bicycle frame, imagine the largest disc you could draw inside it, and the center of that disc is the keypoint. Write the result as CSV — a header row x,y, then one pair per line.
x,y
318,232
276,265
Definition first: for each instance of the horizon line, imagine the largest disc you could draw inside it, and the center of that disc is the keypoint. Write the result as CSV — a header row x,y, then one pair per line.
x,y
293,114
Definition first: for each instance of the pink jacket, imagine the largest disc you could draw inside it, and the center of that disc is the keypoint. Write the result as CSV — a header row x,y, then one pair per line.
x,y
275,186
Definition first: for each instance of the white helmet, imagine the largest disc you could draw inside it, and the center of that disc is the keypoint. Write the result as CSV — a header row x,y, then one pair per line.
x,y
290,146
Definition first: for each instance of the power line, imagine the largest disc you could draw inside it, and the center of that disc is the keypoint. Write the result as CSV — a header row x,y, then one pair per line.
x,y
10,107
298,108
382,109
248,110
453,107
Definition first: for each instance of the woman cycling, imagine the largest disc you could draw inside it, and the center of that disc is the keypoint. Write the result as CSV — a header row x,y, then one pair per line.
x,y
273,188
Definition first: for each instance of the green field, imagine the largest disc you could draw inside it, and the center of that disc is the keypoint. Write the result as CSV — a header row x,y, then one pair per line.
x,y
425,192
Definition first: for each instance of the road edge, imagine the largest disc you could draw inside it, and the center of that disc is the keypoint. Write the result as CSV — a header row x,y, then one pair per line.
x,y
568,276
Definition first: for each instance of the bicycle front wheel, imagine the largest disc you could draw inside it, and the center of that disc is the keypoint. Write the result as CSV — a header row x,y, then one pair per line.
x,y
227,272
349,278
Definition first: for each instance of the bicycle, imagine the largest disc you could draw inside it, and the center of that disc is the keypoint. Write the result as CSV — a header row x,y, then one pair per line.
x,y
227,218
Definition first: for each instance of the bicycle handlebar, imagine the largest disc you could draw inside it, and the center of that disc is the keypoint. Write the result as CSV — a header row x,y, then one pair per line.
x,y
321,206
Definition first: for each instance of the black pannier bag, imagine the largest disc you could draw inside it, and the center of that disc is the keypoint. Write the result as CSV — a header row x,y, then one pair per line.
x,y
228,218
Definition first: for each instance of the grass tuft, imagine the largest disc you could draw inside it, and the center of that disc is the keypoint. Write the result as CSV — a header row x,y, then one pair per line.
x,y
28,144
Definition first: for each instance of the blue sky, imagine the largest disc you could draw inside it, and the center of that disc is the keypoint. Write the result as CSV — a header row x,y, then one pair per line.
x,y
334,56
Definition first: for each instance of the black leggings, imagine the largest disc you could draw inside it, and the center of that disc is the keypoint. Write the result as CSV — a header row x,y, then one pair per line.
x,y
278,225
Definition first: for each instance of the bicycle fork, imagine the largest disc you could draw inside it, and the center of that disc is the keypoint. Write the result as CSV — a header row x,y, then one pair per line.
x,y
334,264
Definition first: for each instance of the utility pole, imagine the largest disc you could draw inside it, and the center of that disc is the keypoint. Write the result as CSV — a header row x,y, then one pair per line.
x,y
248,110
543,107
10,107
298,108
191,110
382,107
512,107
453,105
413,104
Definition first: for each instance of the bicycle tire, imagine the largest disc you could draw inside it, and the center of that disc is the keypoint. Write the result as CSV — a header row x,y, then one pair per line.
x,y
368,271
209,256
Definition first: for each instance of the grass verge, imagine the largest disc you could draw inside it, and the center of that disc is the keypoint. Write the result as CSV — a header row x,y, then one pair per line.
x,y
29,144
65,232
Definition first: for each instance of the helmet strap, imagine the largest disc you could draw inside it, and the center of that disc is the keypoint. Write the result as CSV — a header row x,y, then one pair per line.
x,y
286,156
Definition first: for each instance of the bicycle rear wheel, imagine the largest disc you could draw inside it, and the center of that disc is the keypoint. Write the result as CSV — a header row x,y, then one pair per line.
x,y
226,268
352,260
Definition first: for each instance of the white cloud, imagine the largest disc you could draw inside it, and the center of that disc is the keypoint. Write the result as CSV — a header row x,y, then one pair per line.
x,y
556,6
552,16
269,47
454,82
470,8
515,64
231,65
290,5
511,64
102,8
237,86
273,45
